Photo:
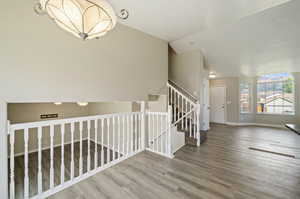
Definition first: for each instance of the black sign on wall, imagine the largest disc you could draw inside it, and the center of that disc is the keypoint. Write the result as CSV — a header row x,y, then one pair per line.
x,y
49,116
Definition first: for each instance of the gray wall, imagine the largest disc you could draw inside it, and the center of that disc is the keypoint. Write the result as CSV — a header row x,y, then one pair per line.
x,y
185,70
39,62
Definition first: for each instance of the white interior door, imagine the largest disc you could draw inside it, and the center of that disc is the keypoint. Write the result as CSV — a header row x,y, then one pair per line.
x,y
205,110
217,104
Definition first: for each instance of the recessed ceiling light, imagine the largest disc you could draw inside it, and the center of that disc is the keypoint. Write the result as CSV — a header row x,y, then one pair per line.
x,y
58,103
82,103
212,75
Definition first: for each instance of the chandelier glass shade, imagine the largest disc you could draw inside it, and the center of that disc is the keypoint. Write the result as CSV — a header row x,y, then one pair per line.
x,y
86,19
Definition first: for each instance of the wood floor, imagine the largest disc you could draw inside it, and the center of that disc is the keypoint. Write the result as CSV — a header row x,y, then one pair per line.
x,y
223,167
33,166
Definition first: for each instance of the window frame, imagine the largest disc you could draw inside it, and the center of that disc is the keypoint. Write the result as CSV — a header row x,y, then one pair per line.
x,y
278,114
250,87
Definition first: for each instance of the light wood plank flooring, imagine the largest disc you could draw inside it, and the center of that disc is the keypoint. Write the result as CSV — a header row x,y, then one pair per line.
x,y
223,167
33,166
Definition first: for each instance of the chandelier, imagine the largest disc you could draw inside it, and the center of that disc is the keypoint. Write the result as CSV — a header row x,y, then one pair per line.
x,y
86,19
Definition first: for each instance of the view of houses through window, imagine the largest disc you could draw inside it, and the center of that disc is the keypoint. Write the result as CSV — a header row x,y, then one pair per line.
x,y
275,94
245,97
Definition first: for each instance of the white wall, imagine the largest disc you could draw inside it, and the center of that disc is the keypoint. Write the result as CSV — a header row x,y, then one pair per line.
x,y
40,62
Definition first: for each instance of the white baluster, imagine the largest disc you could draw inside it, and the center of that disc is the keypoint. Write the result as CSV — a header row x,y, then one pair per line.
x,y
113,137
123,134
62,167
153,132
119,135
172,93
182,106
108,140
102,140
169,126
96,145
40,182
136,132
131,133
80,153
157,131
149,130
166,129
72,150
128,134
143,126
51,156
12,161
26,178
186,111
175,108
198,125
194,127
190,121
89,145
162,130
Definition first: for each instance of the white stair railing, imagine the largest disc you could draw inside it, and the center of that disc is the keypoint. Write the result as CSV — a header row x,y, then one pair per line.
x,y
159,133
110,139
185,111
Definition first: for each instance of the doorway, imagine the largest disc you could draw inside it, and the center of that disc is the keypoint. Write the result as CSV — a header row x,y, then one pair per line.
x,y
205,110
217,104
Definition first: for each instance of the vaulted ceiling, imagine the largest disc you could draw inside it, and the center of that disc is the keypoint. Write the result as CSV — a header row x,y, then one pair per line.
x,y
237,37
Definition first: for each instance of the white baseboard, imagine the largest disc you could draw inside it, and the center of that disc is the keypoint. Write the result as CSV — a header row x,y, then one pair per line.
x,y
254,124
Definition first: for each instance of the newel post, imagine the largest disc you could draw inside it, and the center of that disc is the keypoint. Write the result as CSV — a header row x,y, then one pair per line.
x,y
4,151
169,133
198,124
143,125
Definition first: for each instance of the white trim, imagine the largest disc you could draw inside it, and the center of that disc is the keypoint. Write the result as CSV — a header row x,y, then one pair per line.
x,y
276,114
21,126
158,153
178,148
83,177
225,102
254,124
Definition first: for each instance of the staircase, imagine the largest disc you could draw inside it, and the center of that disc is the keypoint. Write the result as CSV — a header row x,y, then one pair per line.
x,y
185,113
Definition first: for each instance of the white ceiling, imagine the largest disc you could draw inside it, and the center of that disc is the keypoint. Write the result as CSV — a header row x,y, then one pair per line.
x,y
237,37
262,43
173,19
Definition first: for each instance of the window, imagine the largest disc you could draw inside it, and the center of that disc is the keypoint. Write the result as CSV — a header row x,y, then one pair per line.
x,y
245,97
275,94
